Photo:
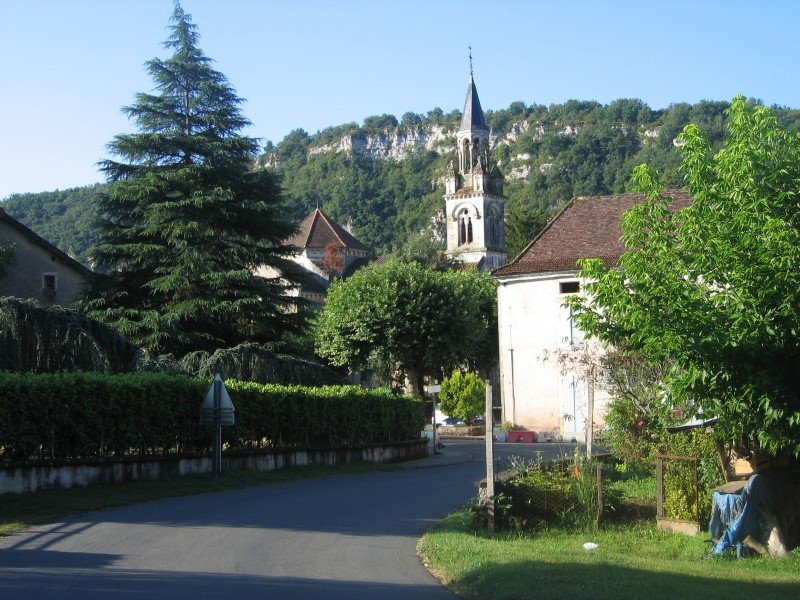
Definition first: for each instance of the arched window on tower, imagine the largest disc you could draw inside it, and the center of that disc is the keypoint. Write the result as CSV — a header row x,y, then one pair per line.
x,y
462,228
469,230
493,222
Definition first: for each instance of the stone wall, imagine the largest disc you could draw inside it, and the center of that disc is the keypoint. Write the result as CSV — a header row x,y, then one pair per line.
x,y
24,276
29,477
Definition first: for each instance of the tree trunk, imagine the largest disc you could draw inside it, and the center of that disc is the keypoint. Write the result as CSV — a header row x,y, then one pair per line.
x,y
724,461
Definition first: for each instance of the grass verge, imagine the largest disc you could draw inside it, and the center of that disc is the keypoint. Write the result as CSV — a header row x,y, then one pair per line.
x,y
20,511
632,561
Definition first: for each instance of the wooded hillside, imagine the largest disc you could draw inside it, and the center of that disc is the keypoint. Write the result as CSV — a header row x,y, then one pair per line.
x,y
383,178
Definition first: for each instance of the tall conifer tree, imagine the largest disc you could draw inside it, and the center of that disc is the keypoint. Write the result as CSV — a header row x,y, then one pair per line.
x,y
187,219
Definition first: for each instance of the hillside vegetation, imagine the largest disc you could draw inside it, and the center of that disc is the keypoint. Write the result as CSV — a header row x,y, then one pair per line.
x,y
383,178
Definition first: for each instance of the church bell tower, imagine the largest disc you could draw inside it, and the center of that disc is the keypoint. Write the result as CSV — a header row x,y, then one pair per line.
x,y
474,201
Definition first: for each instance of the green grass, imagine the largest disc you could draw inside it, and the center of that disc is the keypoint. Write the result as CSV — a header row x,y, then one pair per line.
x,y
23,510
633,560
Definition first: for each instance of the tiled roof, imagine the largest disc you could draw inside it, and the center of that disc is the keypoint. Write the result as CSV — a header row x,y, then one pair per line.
x,y
473,113
318,230
587,227
40,241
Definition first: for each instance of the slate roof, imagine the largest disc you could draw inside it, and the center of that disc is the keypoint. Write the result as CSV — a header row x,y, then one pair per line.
x,y
473,113
587,227
318,230
40,241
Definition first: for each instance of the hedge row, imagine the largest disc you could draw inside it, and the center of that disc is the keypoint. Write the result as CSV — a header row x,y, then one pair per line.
x,y
84,415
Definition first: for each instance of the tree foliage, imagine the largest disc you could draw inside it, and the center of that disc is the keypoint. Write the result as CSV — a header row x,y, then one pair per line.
x,y
427,252
463,396
64,218
49,339
548,154
257,363
186,220
711,290
401,319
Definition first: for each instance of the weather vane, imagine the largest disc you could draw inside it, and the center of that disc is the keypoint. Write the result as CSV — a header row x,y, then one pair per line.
x,y
470,60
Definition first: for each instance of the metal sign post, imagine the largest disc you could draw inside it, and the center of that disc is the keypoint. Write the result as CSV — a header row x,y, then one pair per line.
x,y
217,410
216,461
489,456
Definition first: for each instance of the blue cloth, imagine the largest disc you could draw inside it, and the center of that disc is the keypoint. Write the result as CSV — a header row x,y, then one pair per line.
x,y
740,512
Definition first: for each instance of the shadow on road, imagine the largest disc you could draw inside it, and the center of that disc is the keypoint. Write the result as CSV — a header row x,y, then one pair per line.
x,y
127,583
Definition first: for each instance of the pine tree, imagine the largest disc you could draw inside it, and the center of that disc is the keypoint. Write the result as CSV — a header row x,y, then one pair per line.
x,y
187,220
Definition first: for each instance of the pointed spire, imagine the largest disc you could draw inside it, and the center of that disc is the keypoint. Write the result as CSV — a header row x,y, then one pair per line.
x,y
473,114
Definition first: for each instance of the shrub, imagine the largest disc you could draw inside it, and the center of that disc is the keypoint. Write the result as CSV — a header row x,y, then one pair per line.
x,y
544,495
462,396
685,498
83,415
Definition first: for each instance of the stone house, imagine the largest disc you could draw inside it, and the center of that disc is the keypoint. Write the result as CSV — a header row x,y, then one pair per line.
x,y
533,322
39,270
326,250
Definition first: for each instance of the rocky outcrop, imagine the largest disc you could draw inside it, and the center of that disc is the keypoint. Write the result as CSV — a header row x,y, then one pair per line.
x,y
395,144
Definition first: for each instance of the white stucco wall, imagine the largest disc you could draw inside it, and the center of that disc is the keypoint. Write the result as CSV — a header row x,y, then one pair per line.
x,y
532,323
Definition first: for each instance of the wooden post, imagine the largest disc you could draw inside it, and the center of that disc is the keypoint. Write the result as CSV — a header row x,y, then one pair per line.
x,y
599,479
489,456
659,487
433,422
590,415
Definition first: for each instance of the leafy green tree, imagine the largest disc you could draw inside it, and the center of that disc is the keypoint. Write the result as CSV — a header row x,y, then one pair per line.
x,y
403,320
186,220
523,223
425,251
378,122
65,218
711,290
463,396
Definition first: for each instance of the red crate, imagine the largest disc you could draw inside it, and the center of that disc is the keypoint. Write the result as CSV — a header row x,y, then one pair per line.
x,y
521,436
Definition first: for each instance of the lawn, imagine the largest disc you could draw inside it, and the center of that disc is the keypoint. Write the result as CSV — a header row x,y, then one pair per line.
x,y
23,510
632,560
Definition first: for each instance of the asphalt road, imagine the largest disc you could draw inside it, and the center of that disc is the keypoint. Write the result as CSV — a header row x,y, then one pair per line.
x,y
343,537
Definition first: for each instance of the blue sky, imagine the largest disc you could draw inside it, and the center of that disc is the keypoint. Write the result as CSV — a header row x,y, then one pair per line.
x,y
69,66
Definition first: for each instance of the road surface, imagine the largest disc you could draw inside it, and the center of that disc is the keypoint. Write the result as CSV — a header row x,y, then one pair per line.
x,y
342,537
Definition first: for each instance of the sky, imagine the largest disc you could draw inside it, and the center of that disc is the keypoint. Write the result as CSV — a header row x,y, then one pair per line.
x,y
69,66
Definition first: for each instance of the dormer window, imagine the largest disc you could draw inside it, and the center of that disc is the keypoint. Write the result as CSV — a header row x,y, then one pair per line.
x,y
569,287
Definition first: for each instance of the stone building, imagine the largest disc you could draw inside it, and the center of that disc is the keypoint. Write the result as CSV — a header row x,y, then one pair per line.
x,y
326,251
474,202
39,270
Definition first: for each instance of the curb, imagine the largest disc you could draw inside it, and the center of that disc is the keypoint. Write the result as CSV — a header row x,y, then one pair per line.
x,y
438,460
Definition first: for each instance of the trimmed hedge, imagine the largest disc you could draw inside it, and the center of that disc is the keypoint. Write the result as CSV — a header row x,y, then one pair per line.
x,y
85,415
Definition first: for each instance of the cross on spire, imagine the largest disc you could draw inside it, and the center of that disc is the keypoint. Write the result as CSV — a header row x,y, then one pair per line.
x,y
470,60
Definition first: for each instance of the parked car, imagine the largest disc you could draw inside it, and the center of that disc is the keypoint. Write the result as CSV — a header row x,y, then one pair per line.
x,y
450,421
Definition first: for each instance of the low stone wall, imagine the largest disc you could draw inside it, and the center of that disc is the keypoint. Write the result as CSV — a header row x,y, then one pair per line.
x,y
461,430
19,478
